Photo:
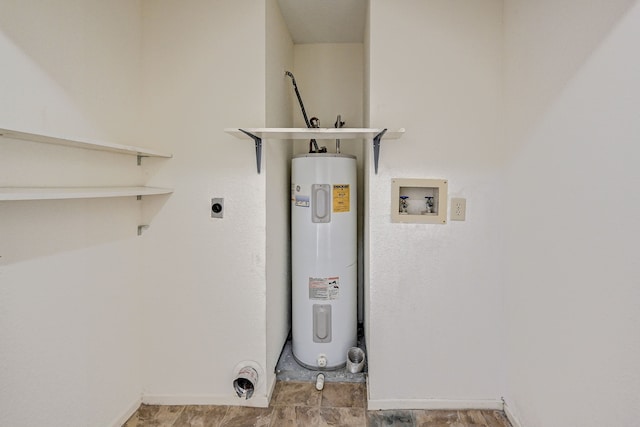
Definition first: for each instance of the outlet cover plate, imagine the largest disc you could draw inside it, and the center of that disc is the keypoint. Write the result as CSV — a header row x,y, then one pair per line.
x,y
217,207
458,209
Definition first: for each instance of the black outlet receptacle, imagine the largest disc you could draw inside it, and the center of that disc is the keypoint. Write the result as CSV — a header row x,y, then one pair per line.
x,y
217,207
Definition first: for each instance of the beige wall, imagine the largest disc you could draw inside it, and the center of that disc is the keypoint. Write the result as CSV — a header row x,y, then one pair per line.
x,y
205,279
516,302
70,280
571,265
278,190
434,302
96,316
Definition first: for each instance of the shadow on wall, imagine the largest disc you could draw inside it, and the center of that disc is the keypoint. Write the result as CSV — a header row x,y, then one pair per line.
x,y
535,77
68,66
40,228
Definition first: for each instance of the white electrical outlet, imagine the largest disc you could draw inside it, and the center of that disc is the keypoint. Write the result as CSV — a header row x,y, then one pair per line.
x,y
458,209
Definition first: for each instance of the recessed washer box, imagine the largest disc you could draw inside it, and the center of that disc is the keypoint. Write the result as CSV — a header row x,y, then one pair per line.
x,y
419,201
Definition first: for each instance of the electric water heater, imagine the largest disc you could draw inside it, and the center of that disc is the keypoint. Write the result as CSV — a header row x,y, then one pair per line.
x,y
323,258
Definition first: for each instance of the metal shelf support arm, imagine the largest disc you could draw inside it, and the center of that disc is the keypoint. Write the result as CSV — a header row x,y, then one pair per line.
x,y
376,149
258,143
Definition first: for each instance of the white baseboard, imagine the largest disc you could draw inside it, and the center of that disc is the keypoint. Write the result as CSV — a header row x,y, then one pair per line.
x,y
453,404
229,399
204,399
118,422
515,422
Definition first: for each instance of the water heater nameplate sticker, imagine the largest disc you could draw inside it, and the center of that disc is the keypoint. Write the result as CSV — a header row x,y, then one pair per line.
x,y
324,288
341,198
300,196
302,201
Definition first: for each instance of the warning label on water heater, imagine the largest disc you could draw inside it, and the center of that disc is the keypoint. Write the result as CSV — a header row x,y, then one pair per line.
x,y
324,288
341,198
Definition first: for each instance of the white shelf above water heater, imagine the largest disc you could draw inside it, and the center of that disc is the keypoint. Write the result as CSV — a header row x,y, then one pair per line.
x,y
258,134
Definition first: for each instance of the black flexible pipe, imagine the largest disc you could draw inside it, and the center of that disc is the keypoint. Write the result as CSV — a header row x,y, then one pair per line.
x,y
295,87
304,113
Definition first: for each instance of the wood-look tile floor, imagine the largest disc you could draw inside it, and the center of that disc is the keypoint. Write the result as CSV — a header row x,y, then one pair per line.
x,y
297,404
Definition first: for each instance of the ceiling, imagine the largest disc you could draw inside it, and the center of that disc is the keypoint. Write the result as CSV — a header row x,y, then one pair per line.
x,y
325,21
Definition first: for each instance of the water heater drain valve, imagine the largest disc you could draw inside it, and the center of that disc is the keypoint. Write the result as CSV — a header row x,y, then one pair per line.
x,y
322,361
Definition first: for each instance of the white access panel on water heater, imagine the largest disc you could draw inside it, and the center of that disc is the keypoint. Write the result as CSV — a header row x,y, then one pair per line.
x,y
324,258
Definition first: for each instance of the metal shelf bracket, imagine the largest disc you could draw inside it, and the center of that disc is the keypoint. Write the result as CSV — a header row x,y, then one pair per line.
x,y
376,149
258,143
306,133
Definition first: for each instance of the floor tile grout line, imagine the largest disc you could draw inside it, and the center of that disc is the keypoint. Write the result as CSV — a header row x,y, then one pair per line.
x,y
341,402
182,408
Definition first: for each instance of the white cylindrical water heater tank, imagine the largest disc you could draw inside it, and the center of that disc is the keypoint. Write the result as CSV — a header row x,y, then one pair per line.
x,y
323,258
